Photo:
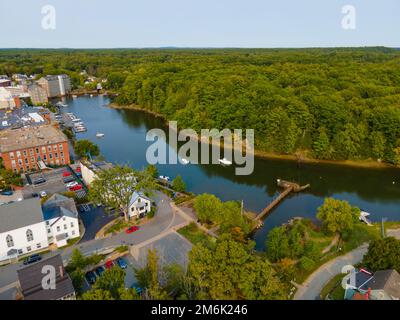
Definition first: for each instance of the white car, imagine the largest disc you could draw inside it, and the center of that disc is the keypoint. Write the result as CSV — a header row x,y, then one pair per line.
x,y
43,194
71,184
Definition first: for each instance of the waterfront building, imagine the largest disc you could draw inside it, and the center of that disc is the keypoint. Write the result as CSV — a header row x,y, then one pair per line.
x,y
89,170
8,100
27,149
55,86
38,94
139,206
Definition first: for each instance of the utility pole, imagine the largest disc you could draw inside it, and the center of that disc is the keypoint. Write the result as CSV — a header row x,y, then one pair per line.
x,y
241,209
383,227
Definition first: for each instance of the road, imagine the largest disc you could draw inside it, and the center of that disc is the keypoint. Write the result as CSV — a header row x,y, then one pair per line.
x,y
311,288
164,219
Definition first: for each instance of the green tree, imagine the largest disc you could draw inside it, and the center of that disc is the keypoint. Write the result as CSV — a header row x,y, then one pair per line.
x,y
114,187
230,271
178,184
97,294
85,147
207,207
112,281
78,278
152,171
277,244
337,216
321,146
383,254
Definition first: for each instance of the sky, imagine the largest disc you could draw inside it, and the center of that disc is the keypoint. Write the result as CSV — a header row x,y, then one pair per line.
x,y
198,23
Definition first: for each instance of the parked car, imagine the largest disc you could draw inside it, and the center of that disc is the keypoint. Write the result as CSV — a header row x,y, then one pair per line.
x,y
76,188
32,259
109,264
35,195
66,174
99,271
78,169
71,184
39,180
132,229
91,277
121,263
43,194
137,288
69,179
7,193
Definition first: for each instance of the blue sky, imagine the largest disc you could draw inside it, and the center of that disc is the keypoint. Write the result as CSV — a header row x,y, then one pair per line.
x,y
200,23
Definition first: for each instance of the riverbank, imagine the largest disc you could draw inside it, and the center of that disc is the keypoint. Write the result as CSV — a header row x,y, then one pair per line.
x,y
301,158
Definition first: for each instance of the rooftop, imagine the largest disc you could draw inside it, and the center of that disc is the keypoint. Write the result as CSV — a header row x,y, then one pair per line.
x,y
97,165
387,280
30,279
20,214
58,206
17,139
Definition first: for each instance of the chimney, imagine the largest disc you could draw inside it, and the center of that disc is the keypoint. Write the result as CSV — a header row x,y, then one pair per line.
x,y
61,271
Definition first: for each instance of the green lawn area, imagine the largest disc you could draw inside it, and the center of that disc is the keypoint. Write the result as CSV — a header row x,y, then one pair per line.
x,y
195,235
334,288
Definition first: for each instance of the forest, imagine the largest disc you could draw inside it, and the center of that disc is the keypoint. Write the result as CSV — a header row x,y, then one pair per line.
x,y
336,103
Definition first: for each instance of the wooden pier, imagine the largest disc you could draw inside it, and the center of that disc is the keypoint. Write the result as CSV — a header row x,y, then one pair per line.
x,y
288,187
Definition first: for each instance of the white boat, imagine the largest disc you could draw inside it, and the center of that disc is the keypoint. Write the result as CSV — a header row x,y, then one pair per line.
x,y
76,120
184,161
99,135
60,104
225,162
364,218
74,96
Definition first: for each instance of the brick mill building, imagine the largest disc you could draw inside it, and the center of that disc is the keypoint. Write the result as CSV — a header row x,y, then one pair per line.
x,y
29,149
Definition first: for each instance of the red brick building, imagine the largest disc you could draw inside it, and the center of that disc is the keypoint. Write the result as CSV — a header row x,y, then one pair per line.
x,y
23,149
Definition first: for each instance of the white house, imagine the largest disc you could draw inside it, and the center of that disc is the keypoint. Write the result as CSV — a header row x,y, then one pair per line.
x,y
26,226
90,169
22,229
61,216
139,205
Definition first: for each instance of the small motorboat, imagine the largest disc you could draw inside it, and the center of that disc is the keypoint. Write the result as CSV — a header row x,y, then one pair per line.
x,y
99,135
62,105
364,218
225,162
74,96
184,161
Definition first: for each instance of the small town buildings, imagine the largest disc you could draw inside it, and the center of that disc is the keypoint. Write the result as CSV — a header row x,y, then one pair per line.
x,y
5,82
55,86
89,170
27,226
139,206
61,216
8,100
31,281
38,94
22,229
364,285
27,149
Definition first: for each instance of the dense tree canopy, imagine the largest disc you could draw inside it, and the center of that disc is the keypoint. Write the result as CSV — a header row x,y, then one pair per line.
x,y
383,254
339,103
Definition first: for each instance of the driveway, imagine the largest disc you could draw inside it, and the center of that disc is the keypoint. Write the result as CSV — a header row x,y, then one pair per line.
x,y
311,288
93,218
164,219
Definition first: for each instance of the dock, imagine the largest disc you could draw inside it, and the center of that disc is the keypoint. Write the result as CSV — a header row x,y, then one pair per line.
x,y
288,187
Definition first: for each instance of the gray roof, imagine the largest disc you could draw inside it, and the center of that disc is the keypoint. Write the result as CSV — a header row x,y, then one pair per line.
x,y
58,206
30,279
387,280
20,214
135,196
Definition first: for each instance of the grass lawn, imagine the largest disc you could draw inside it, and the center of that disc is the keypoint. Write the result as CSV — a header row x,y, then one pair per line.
x,y
334,288
195,235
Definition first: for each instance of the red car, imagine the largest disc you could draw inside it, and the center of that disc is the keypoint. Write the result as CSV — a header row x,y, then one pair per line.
x,y
132,229
109,264
78,169
76,188
66,174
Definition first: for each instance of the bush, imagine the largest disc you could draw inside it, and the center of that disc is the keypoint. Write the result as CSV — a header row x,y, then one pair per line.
x,y
307,264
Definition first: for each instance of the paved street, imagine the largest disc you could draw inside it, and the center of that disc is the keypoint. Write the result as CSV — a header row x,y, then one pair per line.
x,y
164,220
93,219
311,288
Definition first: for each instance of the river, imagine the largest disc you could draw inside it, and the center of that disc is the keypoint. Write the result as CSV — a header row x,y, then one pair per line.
x,y
374,190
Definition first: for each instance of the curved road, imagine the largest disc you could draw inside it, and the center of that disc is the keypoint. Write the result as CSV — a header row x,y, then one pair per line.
x,y
311,288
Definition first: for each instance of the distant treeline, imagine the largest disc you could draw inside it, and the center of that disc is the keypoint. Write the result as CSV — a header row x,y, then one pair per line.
x,y
336,104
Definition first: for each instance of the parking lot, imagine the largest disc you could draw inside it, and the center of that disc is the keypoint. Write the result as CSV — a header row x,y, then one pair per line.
x,y
93,218
55,182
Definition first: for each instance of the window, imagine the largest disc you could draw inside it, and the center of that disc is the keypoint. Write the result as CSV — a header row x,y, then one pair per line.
x,y
64,218
20,251
18,154
65,227
38,246
47,223
10,241
29,235
28,249
72,224
11,155
55,147
49,148
58,228
48,230
73,232
51,155
24,153
37,151
43,149
31,152
61,147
